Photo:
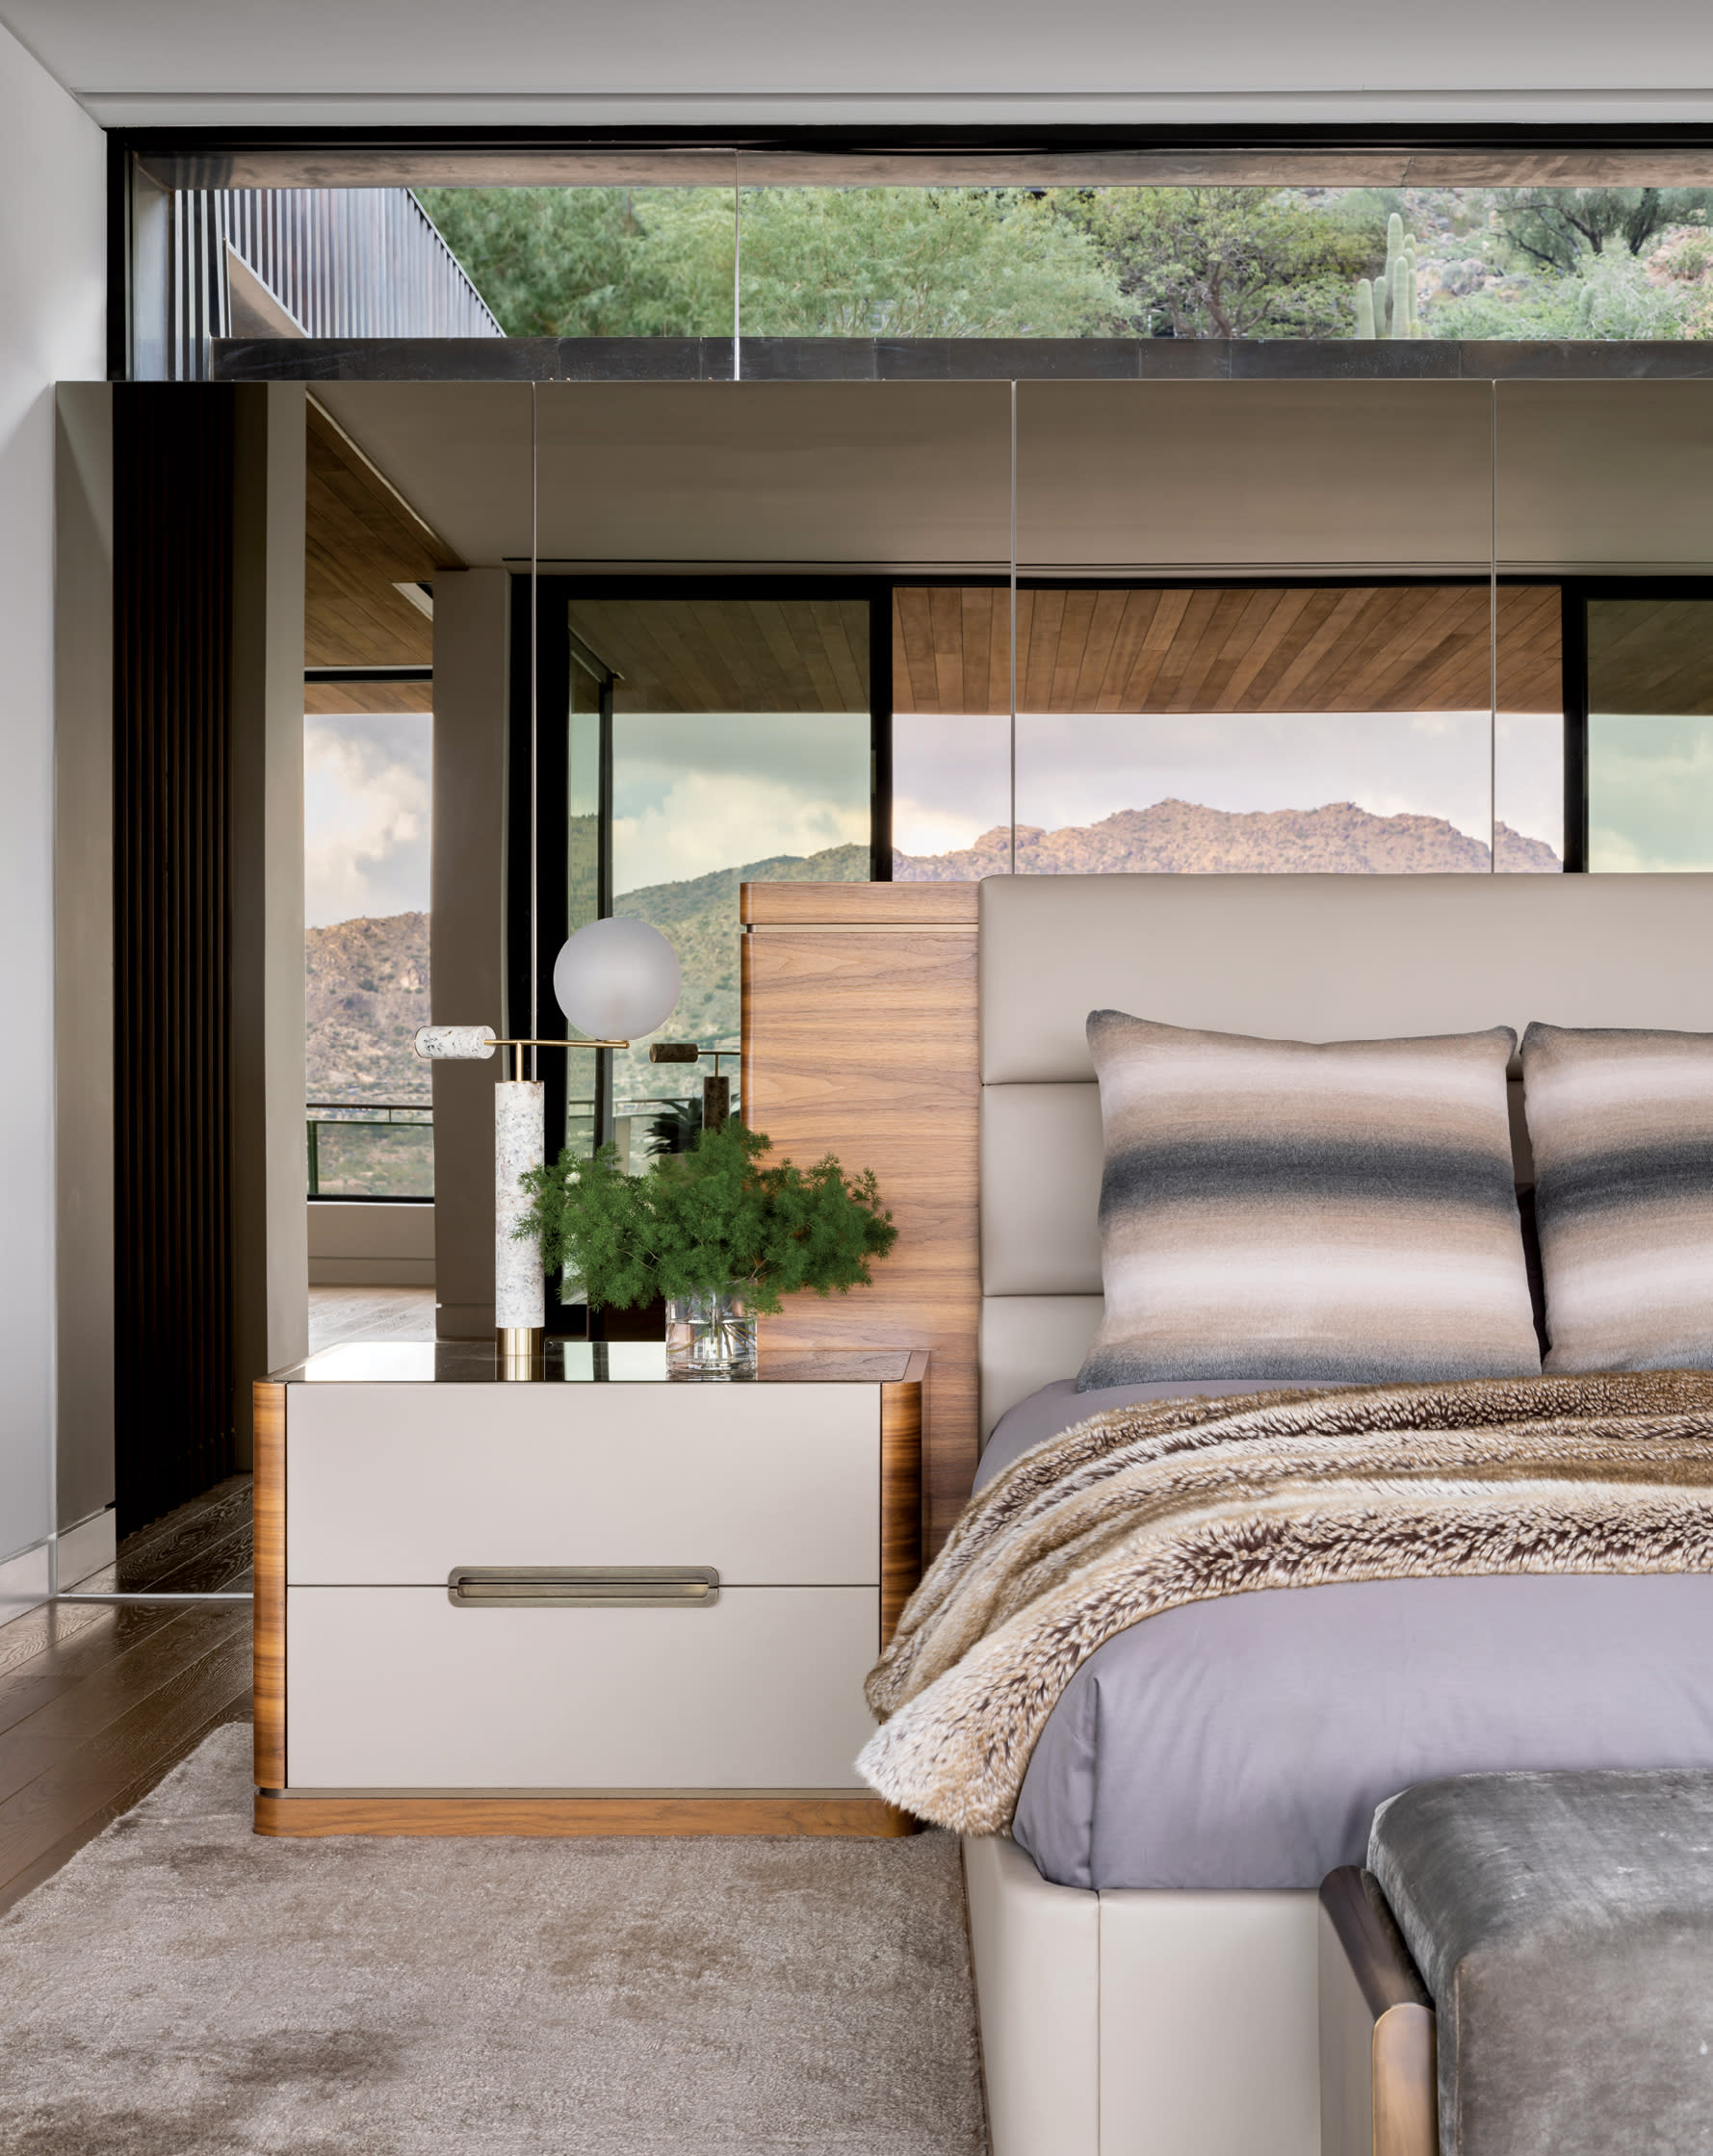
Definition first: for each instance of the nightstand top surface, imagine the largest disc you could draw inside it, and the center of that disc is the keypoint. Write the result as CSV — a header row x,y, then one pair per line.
x,y
580,1362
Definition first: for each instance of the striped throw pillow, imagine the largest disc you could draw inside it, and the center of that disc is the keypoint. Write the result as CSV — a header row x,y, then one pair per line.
x,y
1621,1124
1345,1211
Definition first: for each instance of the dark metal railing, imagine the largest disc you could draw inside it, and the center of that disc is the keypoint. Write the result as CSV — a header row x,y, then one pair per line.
x,y
379,1115
336,261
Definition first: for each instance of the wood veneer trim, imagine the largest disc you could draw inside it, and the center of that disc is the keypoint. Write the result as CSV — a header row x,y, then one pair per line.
x,y
858,905
832,1813
269,1585
900,1497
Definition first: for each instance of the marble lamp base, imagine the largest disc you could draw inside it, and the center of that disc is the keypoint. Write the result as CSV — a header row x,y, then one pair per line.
x,y
520,1296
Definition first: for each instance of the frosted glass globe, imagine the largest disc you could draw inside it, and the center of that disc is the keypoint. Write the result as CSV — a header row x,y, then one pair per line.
x,y
617,980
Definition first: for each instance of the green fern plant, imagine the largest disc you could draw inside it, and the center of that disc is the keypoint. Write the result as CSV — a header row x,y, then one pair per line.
x,y
713,1217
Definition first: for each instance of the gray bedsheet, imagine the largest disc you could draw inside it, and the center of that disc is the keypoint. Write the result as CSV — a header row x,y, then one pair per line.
x,y
1245,1742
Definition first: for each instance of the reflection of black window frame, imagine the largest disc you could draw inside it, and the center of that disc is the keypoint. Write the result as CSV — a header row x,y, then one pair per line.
x,y
317,677
1578,591
539,684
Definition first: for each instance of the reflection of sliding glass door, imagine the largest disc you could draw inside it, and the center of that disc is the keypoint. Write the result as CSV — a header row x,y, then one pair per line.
x,y
1649,725
688,737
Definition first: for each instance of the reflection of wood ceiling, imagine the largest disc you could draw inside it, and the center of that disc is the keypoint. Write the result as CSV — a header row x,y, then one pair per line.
x,y
1651,654
361,540
731,655
1199,648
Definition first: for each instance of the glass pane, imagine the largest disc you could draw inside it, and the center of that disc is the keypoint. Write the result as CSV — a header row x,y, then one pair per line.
x,y
1650,734
1529,728
1195,729
1225,262
594,261
741,753
952,732
367,798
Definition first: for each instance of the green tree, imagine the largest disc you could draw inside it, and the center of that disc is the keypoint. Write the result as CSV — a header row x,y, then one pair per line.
x,y
818,262
1559,227
918,262
1226,261
594,261
1608,299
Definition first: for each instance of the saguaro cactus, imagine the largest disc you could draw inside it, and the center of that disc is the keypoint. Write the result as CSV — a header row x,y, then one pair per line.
x,y
1387,307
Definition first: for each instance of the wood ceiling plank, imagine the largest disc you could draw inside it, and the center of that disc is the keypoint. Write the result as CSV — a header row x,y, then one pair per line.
x,y
1066,672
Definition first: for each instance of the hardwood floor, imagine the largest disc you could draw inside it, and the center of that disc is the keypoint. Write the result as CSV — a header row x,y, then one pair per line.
x,y
370,1314
97,1702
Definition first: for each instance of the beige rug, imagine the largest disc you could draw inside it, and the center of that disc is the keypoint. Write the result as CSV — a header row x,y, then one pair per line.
x,y
186,1988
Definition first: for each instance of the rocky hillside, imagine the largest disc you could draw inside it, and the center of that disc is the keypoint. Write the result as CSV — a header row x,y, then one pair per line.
x,y
367,992
1181,838
368,980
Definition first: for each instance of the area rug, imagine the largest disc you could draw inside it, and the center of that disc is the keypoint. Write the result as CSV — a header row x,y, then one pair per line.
x,y
183,1987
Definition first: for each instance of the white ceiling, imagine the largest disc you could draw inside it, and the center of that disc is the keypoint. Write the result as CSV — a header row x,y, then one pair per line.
x,y
774,62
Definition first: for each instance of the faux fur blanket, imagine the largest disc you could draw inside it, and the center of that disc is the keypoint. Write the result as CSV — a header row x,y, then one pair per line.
x,y
1143,1509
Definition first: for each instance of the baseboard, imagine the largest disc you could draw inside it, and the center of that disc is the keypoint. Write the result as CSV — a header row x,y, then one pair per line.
x,y
371,1272
25,1581
88,1546
842,1812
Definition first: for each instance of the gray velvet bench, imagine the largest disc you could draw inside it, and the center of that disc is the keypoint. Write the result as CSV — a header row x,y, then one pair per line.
x,y
1525,1968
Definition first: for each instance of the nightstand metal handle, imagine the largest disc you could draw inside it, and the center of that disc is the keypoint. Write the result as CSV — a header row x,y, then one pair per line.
x,y
582,1586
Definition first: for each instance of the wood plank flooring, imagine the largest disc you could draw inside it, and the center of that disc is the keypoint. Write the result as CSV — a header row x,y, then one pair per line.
x,y
98,1702
369,1314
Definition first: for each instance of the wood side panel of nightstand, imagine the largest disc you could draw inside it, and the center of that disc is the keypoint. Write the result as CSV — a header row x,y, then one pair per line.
x,y
784,1811
859,1035
270,1585
900,1494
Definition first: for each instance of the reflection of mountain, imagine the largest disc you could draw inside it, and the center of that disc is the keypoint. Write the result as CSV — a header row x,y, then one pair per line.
x,y
1181,838
699,919
368,980
366,990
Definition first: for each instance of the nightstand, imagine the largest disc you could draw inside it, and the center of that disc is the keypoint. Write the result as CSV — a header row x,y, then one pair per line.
x,y
604,1601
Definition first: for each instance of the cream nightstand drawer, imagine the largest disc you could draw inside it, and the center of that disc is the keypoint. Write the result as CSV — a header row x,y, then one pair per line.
x,y
768,1484
395,1688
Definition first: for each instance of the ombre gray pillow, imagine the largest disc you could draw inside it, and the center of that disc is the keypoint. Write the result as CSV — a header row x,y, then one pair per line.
x,y
1621,1126
1342,1212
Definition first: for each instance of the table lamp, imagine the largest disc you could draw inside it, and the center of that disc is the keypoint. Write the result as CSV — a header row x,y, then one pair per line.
x,y
615,980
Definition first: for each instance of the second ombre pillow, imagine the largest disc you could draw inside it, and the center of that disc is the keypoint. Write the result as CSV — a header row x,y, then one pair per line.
x,y
1621,1126
1343,1211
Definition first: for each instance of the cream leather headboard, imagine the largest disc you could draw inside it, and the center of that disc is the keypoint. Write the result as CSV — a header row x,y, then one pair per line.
x,y
1313,958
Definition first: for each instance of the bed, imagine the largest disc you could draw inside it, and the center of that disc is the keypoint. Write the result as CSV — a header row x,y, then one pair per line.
x,y
1145,1971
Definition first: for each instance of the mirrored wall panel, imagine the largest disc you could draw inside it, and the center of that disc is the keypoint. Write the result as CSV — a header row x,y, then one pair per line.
x,y
1605,489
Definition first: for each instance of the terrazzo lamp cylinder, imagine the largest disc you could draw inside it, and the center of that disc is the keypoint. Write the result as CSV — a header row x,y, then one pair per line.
x,y
520,1144
614,979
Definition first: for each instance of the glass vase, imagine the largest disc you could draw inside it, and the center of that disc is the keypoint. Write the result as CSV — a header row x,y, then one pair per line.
x,y
710,1337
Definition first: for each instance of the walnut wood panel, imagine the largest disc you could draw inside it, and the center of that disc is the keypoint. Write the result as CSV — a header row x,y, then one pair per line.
x,y
1407,647
270,1585
858,905
361,540
858,1038
785,1811
900,1495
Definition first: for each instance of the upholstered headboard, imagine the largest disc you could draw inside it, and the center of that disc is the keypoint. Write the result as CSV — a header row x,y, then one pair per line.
x,y
1315,958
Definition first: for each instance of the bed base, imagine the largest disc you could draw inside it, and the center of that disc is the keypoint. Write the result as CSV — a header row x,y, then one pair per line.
x,y
1129,2023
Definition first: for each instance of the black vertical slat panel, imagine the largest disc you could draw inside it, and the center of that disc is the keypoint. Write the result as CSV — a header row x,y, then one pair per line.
x,y
174,450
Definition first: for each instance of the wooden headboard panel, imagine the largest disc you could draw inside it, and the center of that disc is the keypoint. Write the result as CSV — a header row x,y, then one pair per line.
x,y
860,1039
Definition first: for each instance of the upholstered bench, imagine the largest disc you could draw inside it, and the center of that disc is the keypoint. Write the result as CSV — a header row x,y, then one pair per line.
x,y
1551,1937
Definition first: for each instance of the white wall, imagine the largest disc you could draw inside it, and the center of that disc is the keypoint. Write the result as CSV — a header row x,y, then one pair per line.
x,y
53,269
347,62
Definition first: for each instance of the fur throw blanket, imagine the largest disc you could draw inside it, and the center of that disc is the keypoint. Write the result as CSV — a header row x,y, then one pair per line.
x,y
1143,1509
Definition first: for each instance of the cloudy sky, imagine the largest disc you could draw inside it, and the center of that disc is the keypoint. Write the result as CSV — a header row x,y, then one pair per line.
x,y
692,794
365,817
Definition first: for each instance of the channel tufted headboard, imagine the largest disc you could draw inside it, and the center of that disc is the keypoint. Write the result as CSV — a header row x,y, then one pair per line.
x,y
1317,958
